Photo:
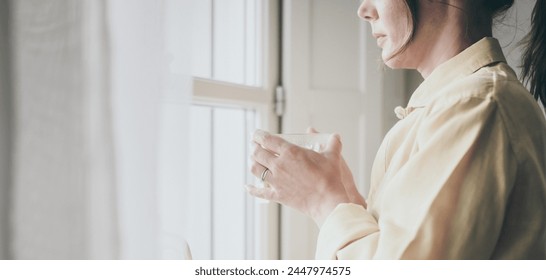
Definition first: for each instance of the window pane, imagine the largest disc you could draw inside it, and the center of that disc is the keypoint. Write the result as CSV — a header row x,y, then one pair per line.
x,y
220,212
201,38
198,212
228,41
229,179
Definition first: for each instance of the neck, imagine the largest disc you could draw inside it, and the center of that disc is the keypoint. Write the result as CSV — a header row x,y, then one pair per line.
x,y
447,47
452,29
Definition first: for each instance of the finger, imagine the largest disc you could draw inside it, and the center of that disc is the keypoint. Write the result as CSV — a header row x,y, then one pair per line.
x,y
334,145
270,142
263,156
263,193
257,169
311,130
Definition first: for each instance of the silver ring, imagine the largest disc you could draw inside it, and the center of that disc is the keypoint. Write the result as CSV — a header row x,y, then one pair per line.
x,y
264,174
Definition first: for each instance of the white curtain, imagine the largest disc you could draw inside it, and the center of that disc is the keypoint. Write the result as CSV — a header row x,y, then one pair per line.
x,y
5,128
96,86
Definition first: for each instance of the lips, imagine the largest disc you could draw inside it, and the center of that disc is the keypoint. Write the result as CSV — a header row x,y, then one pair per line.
x,y
380,38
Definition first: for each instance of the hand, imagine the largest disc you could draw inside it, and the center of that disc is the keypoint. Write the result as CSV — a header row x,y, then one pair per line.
x,y
347,180
300,178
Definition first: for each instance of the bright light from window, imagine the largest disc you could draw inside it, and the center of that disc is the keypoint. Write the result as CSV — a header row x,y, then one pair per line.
x,y
229,53
220,225
228,43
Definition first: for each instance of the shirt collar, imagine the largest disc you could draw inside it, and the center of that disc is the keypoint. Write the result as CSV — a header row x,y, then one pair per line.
x,y
482,53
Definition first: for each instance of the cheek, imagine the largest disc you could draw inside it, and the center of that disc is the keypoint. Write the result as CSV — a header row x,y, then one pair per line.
x,y
395,17
394,42
392,54
398,30
397,37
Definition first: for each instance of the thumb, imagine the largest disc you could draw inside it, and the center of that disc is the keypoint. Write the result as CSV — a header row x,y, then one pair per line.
x,y
334,145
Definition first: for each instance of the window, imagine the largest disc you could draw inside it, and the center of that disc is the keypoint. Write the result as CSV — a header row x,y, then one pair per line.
x,y
235,68
228,41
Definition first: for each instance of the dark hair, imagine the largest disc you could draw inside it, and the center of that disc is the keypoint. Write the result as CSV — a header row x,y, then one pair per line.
x,y
497,7
534,56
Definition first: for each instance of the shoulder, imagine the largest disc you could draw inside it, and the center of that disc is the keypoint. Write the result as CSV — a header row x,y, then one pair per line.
x,y
494,97
491,86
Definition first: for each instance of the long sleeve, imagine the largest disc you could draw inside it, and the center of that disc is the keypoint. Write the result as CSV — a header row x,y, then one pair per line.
x,y
444,197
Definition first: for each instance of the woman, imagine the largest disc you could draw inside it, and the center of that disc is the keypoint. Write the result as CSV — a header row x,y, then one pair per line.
x,y
462,175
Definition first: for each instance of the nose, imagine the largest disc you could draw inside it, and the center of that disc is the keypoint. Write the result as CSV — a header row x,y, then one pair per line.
x,y
367,11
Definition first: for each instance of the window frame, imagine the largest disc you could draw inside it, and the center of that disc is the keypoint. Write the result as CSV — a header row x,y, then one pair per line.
x,y
260,99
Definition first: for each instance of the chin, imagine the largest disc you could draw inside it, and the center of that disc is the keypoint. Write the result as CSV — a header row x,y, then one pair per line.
x,y
392,62
396,62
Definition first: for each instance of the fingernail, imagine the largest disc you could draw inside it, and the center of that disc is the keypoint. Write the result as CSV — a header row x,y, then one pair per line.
x,y
335,135
259,135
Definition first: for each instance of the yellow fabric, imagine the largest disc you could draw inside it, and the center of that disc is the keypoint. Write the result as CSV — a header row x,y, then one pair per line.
x,y
461,176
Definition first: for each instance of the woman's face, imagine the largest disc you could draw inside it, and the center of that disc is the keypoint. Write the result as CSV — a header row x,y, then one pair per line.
x,y
390,26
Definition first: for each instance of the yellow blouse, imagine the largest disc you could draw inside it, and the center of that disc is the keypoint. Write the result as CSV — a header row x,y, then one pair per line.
x,y
461,176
